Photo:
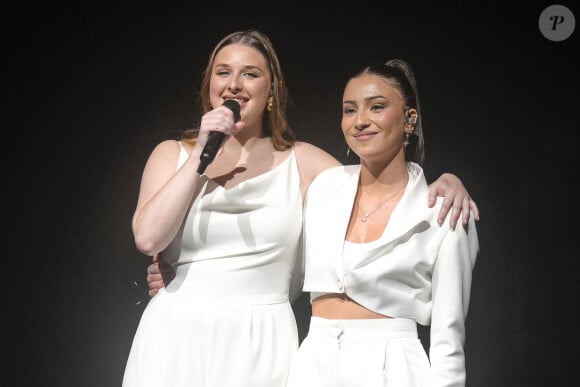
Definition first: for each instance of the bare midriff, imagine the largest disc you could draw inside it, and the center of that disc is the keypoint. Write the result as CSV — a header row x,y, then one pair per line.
x,y
339,306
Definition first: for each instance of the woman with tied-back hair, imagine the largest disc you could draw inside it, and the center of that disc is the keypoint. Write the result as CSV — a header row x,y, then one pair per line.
x,y
377,263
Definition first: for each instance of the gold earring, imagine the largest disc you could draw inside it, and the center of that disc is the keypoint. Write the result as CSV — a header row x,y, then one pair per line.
x,y
269,105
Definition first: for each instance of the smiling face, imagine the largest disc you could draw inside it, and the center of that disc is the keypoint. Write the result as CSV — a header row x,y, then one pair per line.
x,y
241,72
373,119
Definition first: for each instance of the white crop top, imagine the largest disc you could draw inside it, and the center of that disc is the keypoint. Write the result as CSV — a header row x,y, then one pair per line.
x,y
352,253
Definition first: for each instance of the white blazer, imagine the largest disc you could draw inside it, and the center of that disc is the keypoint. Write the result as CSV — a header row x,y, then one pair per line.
x,y
416,269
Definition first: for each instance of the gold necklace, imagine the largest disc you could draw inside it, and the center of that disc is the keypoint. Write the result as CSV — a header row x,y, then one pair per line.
x,y
368,214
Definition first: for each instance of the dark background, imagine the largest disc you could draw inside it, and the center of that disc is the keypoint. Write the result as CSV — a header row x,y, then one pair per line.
x,y
89,90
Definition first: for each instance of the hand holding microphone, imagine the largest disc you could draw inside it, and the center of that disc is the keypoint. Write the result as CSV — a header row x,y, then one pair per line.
x,y
215,139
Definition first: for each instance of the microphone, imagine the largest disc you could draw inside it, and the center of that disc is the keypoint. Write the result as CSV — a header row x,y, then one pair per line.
x,y
215,139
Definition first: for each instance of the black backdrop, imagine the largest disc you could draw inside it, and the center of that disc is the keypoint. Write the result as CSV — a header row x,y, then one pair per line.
x,y
90,89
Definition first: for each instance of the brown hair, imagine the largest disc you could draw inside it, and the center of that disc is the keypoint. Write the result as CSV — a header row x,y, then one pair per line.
x,y
275,121
403,79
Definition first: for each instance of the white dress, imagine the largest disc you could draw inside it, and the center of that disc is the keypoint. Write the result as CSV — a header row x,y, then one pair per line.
x,y
226,318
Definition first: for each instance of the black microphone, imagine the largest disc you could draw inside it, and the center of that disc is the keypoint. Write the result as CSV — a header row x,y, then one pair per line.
x,y
215,139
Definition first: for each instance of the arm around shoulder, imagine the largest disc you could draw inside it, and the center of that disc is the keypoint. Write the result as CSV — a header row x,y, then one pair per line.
x,y
311,161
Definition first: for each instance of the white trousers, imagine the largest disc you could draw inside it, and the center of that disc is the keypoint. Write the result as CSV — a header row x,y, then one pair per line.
x,y
366,352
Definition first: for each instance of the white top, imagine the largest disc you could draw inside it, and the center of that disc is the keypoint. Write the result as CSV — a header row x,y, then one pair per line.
x,y
416,269
247,236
